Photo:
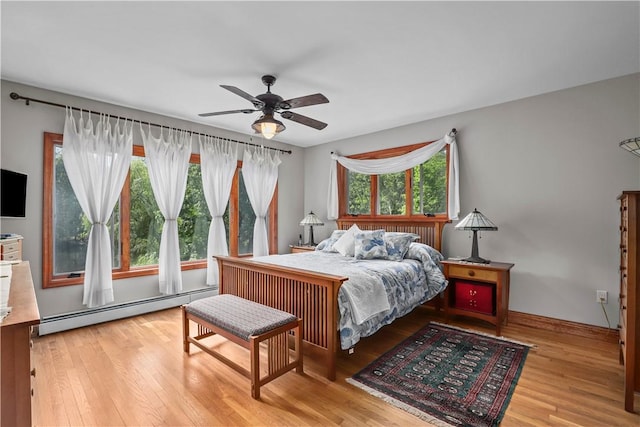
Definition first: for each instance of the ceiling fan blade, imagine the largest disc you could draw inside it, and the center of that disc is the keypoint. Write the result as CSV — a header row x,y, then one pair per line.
x,y
303,101
219,113
256,102
307,121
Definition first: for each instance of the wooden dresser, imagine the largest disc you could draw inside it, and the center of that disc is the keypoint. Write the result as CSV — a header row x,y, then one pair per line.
x,y
15,349
630,294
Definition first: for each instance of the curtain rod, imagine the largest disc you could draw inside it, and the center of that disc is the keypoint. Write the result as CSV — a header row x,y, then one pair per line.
x,y
452,133
27,100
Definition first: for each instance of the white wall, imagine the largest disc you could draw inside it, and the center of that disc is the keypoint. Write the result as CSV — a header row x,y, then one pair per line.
x,y
21,150
546,170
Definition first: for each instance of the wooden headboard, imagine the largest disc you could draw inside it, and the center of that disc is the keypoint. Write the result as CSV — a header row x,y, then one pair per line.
x,y
430,232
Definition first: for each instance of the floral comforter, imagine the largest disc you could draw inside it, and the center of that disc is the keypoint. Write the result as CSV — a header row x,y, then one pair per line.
x,y
407,284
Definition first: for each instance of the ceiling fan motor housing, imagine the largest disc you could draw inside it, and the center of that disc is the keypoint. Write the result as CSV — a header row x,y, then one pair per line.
x,y
271,101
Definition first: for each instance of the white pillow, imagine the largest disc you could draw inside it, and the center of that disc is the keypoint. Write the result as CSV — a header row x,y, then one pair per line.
x,y
346,244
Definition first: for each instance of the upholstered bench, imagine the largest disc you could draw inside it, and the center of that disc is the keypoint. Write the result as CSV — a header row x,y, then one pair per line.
x,y
246,323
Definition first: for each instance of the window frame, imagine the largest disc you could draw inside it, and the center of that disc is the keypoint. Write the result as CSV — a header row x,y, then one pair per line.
x,y
49,280
343,190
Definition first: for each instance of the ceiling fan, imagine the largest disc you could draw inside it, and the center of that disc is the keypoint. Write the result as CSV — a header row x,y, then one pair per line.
x,y
269,103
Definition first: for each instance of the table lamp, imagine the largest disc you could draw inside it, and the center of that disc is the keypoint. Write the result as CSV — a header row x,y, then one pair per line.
x,y
311,219
475,222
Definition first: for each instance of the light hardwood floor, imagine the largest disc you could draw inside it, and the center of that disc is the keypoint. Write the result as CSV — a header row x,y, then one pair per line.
x,y
134,372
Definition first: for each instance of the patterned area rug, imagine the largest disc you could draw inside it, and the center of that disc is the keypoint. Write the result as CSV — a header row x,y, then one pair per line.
x,y
447,376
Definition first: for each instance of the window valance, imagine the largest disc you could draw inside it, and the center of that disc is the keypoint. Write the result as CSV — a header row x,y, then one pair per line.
x,y
398,164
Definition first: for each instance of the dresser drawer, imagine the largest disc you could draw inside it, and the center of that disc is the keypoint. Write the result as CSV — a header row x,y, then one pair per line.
x,y
476,297
463,272
9,247
623,309
11,256
622,343
622,322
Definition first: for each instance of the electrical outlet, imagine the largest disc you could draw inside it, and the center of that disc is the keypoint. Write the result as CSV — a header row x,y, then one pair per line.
x,y
601,296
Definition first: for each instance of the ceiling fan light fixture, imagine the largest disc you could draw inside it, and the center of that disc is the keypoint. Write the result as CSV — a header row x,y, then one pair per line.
x,y
268,126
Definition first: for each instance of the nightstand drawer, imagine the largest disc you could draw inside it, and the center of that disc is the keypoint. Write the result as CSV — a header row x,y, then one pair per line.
x,y
297,248
472,272
476,297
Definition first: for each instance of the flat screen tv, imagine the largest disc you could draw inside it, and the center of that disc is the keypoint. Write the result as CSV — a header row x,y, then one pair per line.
x,y
13,194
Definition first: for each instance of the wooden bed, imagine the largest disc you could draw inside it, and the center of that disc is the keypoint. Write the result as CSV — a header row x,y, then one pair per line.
x,y
309,295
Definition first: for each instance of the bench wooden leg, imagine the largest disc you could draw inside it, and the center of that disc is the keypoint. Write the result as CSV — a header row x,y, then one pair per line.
x,y
298,346
185,330
255,367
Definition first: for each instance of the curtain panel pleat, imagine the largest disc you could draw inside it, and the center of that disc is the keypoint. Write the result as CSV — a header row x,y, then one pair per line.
x,y
167,159
397,164
260,173
96,162
218,161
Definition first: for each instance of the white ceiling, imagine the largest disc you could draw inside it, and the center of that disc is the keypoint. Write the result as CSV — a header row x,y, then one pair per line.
x,y
381,64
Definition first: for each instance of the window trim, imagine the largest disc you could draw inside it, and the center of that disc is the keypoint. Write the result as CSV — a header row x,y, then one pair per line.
x,y
125,270
374,216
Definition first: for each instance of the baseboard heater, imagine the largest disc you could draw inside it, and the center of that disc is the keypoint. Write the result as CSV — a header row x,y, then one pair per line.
x,y
63,322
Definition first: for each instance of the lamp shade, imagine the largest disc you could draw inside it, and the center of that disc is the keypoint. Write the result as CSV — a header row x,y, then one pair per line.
x,y
476,221
631,144
268,126
311,219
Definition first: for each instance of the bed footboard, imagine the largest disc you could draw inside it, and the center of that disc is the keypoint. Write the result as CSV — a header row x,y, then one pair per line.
x,y
308,295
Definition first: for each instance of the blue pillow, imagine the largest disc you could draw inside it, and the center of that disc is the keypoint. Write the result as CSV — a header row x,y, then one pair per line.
x,y
329,242
370,245
320,246
397,244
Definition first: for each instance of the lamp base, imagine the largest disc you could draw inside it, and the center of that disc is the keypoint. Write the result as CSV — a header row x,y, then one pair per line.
x,y
477,260
310,242
474,251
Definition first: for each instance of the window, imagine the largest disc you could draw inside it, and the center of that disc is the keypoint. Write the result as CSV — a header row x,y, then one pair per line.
x,y
71,228
146,220
246,219
414,193
136,224
392,199
359,191
429,185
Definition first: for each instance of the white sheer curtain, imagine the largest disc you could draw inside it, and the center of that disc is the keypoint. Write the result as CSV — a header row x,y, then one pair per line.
x,y
167,159
218,161
97,163
260,173
398,164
